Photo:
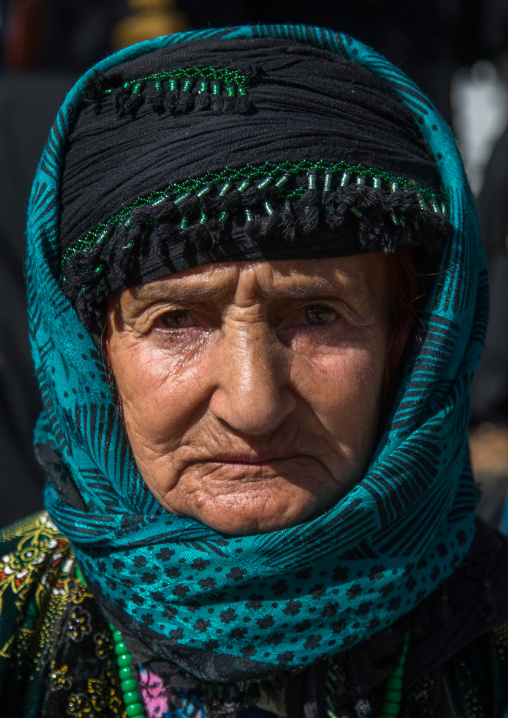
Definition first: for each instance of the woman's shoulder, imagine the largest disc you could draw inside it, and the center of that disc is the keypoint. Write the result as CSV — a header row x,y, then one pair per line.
x,y
56,651
477,677
36,580
459,635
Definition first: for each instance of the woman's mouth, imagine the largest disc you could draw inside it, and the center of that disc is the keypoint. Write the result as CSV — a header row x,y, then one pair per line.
x,y
255,459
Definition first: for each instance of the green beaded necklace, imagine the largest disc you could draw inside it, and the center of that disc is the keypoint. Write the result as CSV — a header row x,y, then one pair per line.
x,y
134,704
133,701
393,688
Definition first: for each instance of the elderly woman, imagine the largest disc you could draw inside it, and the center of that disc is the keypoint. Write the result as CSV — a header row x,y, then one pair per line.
x,y
257,300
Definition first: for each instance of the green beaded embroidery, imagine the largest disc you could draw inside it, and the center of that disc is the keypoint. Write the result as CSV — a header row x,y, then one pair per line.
x,y
233,80
320,176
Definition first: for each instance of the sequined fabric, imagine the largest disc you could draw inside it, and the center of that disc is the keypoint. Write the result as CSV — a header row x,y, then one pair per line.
x,y
56,650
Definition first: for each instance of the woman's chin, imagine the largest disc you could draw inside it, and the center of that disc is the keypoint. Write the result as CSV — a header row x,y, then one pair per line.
x,y
254,512
242,523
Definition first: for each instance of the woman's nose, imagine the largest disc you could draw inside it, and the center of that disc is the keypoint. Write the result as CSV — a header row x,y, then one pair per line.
x,y
252,392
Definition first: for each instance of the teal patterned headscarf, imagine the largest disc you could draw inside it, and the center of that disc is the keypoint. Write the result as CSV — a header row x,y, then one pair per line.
x,y
230,607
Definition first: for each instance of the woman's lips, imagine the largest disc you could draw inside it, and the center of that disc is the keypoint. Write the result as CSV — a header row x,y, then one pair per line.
x,y
288,463
251,460
258,467
237,470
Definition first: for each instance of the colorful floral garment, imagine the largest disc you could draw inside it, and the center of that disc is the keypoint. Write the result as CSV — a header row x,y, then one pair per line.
x,y
57,658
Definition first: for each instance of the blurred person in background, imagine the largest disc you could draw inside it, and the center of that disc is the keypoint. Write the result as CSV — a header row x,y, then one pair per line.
x,y
489,436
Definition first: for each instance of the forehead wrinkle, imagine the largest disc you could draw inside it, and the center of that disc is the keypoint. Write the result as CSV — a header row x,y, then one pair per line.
x,y
312,287
179,292
215,284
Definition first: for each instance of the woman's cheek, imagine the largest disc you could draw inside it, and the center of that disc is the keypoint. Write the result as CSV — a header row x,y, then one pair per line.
x,y
343,387
341,361
161,390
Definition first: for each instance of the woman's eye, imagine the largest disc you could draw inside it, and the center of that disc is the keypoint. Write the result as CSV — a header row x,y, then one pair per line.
x,y
319,314
177,319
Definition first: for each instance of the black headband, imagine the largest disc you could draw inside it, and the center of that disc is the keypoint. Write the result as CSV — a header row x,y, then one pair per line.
x,y
227,150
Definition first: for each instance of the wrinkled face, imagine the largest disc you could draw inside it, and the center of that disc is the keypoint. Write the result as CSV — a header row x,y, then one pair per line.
x,y
251,391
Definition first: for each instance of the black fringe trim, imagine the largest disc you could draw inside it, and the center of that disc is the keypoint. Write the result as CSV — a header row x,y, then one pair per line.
x,y
160,98
153,237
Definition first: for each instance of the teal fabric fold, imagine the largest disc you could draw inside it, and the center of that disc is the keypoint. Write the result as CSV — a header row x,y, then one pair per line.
x,y
285,599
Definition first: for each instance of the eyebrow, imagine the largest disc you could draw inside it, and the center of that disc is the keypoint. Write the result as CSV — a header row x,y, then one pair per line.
x,y
203,292
174,293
